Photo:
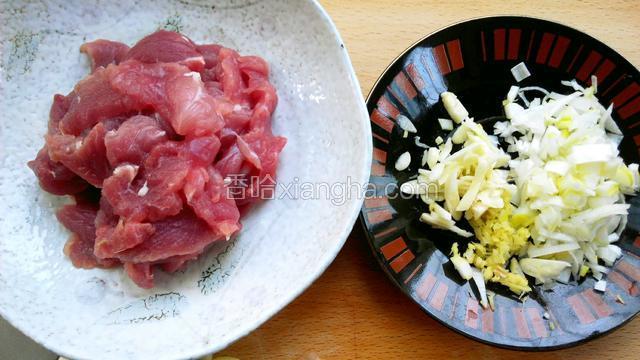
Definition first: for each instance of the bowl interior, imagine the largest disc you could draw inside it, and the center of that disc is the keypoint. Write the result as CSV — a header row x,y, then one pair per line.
x,y
473,59
286,242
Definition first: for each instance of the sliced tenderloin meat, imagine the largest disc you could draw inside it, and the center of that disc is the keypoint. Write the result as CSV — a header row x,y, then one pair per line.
x,y
55,177
104,52
93,100
167,47
80,220
140,273
172,90
133,141
181,234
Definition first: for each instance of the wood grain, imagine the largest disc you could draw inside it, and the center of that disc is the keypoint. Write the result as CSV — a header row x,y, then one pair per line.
x,y
353,311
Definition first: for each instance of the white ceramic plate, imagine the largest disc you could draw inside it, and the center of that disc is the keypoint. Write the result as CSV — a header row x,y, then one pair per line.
x,y
286,243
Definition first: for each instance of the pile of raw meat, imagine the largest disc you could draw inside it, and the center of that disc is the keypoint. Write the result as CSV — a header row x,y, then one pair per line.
x,y
164,145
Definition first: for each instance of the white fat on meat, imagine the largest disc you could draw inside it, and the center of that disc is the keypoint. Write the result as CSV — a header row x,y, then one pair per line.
x,y
128,170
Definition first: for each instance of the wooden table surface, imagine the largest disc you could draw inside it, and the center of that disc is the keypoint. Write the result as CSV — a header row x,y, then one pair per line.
x,y
353,310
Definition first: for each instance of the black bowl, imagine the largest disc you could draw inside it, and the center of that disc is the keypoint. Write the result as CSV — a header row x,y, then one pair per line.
x,y
473,59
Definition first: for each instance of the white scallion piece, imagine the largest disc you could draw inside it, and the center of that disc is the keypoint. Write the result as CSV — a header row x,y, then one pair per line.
x,y
520,72
403,161
419,143
454,107
445,124
425,157
513,92
478,279
412,187
406,124
601,285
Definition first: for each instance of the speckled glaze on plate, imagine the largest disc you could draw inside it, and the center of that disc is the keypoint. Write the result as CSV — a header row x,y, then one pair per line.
x,y
473,59
286,242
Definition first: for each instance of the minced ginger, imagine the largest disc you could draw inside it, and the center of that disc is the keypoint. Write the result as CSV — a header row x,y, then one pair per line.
x,y
499,241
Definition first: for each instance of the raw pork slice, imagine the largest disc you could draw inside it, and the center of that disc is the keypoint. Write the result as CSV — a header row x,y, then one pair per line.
x,y
140,273
210,54
85,156
178,262
114,234
167,47
92,100
80,220
59,109
55,177
175,92
181,234
104,52
133,141
154,194
163,147
208,197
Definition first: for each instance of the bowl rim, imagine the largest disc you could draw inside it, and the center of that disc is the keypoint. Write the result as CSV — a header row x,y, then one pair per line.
x,y
354,211
368,235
